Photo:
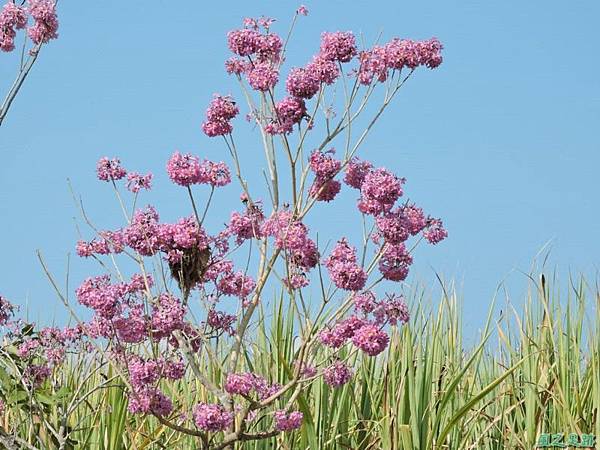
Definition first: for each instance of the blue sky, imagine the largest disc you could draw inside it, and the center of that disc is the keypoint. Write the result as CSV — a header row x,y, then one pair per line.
x,y
501,141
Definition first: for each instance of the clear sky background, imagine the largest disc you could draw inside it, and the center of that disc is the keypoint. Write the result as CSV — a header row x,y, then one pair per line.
x,y
501,141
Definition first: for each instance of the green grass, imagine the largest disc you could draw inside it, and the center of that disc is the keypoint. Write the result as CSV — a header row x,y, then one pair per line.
x,y
529,372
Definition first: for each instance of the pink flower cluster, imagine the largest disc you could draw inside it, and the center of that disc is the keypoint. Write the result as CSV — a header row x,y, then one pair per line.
x,y
292,236
337,374
365,333
379,191
344,269
247,225
144,376
220,321
325,167
285,421
186,169
210,417
12,18
137,182
6,311
110,169
375,64
247,383
288,112
339,46
45,25
391,310
220,112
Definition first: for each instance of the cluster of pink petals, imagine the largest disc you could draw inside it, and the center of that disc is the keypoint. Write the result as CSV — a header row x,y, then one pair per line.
x,y
220,321
186,169
371,339
110,169
337,374
395,262
288,112
6,311
379,191
263,76
285,421
338,46
237,284
247,225
108,242
435,231
343,268
137,182
167,316
339,334
149,400
12,18
397,225
45,25
221,110
292,236
325,167
356,171
302,10
247,383
210,417
375,64
250,42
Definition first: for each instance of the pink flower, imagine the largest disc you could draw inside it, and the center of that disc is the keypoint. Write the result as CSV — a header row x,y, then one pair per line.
x,y
263,77
236,284
243,42
248,225
132,329
36,374
6,311
216,174
343,269
356,171
302,10
149,400
240,383
142,233
167,316
220,321
323,164
288,421
302,83
110,169
237,66
379,191
325,190
370,339
289,111
183,169
210,417
339,46
394,263
46,23
11,17
435,231
325,70
137,182
337,374
220,111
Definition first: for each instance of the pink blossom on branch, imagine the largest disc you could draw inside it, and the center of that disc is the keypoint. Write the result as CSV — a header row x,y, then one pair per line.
x,y
12,17
45,25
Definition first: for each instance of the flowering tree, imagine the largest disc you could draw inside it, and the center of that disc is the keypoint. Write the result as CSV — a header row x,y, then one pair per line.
x,y
15,16
175,316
